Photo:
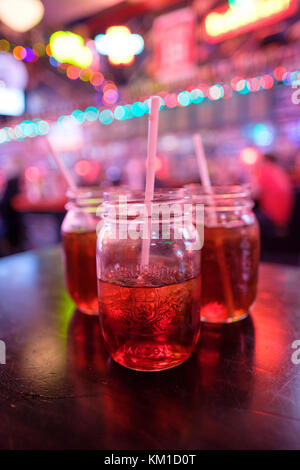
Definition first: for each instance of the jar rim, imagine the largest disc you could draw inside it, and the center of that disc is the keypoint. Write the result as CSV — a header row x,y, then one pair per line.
x,y
85,192
223,198
136,199
161,195
220,192
87,198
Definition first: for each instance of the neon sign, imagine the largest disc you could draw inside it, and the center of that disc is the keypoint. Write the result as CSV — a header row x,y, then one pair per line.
x,y
67,47
175,45
241,17
119,44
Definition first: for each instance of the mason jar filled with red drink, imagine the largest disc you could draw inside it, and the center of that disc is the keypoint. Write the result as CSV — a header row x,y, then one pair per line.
x,y
148,269
230,253
79,247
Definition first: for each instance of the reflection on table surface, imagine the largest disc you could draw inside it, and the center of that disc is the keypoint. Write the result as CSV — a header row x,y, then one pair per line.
x,y
60,389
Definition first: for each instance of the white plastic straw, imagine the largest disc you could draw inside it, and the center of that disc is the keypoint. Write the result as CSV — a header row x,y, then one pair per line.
x,y
202,163
212,216
204,174
64,170
152,146
150,172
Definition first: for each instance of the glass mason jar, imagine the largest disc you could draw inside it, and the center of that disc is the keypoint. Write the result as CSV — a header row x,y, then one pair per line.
x,y
149,310
230,253
79,247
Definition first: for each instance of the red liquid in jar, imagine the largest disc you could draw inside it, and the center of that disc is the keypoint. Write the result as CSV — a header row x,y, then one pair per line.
x,y
80,268
150,328
231,253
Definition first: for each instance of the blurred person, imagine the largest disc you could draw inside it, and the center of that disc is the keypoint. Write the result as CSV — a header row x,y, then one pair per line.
x,y
12,223
295,174
274,191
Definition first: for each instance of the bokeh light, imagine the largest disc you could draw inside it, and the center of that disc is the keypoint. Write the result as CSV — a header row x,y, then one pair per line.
x,y
243,87
106,117
20,15
279,73
110,97
4,45
197,95
19,52
138,109
68,47
120,113
78,115
249,155
53,62
40,48
97,79
82,167
30,56
3,136
91,114
263,134
267,82
238,3
85,75
171,100
32,174
184,98
113,173
216,92
254,84
42,127
119,44
73,72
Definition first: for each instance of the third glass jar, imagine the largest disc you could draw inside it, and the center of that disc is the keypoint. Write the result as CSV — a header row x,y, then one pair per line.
x,y
230,254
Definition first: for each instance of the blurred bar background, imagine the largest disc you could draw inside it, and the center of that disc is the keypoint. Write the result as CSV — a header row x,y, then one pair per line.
x,y
81,73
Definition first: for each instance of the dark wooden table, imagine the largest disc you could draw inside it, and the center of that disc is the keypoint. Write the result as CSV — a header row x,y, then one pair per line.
x,y
59,389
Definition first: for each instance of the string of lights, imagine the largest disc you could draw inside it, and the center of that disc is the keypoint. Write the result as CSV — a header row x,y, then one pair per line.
x,y
27,54
106,116
85,74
